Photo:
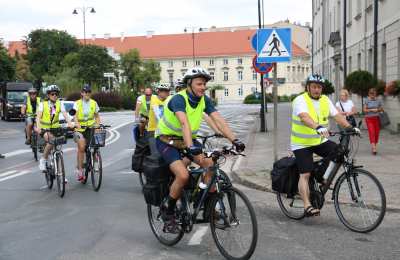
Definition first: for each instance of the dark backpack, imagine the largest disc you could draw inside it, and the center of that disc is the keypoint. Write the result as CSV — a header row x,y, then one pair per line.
x,y
142,150
285,176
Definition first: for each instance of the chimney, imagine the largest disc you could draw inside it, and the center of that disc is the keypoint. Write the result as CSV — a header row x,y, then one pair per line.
x,y
149,34
93,37
122,36
106,36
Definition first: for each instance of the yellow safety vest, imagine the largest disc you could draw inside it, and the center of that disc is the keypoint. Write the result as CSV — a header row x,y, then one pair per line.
x,y
169,123
47,122
304,135
155,101
143,106
88,120
29,108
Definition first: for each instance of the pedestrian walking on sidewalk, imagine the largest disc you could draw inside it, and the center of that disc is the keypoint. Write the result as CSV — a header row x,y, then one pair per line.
x,y
346,107
372,108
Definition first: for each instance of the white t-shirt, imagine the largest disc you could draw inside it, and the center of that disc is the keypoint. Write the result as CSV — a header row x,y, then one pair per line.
x,y
52,107
300,106
347,106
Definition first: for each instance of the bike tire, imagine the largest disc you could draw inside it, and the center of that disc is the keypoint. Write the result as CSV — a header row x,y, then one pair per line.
x,y
217,206
34,145
293,208
358,187
142,178
96,170
156,225
87,167
49,179
60,175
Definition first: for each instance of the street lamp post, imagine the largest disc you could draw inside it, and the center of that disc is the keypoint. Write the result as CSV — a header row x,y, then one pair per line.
x,y
83,9
186,30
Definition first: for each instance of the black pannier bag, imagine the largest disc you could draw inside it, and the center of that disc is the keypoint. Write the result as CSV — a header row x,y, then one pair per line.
x,y
285,176
158,177
142,150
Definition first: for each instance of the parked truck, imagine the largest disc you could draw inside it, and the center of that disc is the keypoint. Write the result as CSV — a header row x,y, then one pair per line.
x,y
12,96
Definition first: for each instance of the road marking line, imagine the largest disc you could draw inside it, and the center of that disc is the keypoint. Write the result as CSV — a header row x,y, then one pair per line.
x,y
7,173
198,236
17,152
14,176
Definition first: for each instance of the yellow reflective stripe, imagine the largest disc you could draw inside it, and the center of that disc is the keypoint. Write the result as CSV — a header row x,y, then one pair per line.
x,y
306,135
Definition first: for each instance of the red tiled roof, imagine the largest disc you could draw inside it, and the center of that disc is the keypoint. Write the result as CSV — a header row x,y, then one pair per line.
x,y
15,46
225,43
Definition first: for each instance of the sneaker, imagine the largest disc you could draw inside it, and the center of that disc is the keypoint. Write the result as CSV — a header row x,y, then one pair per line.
x,y
65,180
27,142
79,175
170,224
42,164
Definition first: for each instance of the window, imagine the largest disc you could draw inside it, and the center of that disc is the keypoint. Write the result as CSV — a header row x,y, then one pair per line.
x,y
240,75
225,61
349,67
171,77
211,62
383,65
226,92
358,7
254,75
349,11
170,63
359,61
226,76
240,91
212,75
370,60
197,63
184,63
240,61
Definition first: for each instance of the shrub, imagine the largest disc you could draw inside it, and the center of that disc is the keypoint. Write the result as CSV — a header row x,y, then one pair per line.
x,y
73,96
284,98
129,102
380,87
251,99
359,82
108,109
328,88
108,99
393,88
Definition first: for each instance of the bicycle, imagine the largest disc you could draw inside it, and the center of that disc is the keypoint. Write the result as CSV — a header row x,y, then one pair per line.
x,y
55,166
349,191
34,137
227,210
93,162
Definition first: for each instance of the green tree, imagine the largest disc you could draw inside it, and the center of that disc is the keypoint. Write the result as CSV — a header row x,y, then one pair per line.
x,y
23,70
47,48
328,88
92,61
7,65
131,65
150,72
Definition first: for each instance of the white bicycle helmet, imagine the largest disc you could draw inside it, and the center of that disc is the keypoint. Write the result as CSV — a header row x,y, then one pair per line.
x,y
195,72
178,83
162,86
315,78
52,88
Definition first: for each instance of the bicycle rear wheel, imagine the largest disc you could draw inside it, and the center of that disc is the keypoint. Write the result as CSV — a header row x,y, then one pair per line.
x,y
291,206
49,179
142,178
360,201
154,215
233,224
34,145
97,170
60,175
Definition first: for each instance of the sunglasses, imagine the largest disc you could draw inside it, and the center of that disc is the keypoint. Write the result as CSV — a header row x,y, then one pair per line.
x,y
53,94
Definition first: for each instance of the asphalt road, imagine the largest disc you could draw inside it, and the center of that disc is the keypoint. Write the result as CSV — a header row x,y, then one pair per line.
x,y
112,223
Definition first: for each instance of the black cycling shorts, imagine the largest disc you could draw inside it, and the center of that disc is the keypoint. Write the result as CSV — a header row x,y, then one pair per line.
x,y
304,156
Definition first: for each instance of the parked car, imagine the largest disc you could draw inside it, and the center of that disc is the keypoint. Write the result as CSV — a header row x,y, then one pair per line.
x,y
12,97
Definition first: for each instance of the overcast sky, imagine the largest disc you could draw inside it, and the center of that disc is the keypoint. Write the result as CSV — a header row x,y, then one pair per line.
x,y
135,17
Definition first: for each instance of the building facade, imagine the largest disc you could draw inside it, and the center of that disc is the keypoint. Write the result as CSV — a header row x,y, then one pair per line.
x,y
328,56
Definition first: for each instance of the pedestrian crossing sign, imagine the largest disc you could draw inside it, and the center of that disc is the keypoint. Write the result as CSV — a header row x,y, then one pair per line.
x,y
274,45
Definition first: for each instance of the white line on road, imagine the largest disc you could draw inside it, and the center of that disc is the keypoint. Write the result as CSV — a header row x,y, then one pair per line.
x,y
17,152
198,236
7,173
15,175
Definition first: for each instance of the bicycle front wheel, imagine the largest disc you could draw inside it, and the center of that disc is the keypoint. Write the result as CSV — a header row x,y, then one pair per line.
x,y
360,201
34,145
233,224
60,175
291,206
97,170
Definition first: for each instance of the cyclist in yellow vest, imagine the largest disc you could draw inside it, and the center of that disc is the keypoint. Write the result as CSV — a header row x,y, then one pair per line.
x,y
29,109
87,116
182,117
48,119
310,124
157,107
142,109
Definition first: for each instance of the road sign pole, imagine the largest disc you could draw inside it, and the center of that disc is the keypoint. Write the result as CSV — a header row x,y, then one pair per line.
x,y
275,94
263,126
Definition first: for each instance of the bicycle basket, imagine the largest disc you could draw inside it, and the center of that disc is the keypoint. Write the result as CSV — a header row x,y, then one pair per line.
x,y
59,140
99,139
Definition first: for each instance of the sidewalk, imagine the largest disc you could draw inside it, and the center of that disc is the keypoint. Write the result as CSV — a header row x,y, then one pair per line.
x,y
254,169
